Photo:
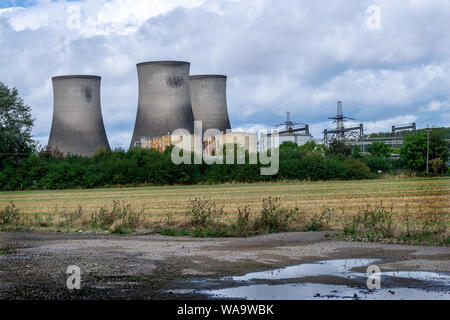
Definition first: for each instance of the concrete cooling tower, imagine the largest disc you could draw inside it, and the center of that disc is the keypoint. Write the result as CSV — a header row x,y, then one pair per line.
x,y
164,103
77,126
209,101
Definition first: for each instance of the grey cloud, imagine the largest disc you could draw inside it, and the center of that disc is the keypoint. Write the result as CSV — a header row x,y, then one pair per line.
x,y
298,56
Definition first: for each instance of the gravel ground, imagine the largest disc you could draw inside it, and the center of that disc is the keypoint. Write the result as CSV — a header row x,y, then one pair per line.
x,y
154,267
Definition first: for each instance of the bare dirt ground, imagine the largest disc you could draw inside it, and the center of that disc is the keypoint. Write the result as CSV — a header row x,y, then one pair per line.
x,y
154,267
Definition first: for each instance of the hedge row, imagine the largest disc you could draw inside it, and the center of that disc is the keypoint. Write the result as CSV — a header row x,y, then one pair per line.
x,y
142,166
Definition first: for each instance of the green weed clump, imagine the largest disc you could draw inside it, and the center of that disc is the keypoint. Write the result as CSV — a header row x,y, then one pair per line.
x,y
120,218
372,222
202,212
320,221
275,218
243,224
9,215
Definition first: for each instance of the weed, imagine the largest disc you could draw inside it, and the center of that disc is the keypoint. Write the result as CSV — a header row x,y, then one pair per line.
x,y
9,215
243,224
425,238
275,218
201,212
67,219
320,221
40,220
372,222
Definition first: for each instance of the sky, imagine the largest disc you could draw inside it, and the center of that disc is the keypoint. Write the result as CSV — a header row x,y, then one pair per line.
x,y
388,61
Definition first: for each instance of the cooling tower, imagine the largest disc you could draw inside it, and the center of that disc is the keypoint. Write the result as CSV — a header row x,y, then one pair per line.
x,y
209,101
77,126
164,103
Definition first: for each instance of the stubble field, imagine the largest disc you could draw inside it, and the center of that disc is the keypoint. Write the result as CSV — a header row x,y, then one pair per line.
x,y
412,196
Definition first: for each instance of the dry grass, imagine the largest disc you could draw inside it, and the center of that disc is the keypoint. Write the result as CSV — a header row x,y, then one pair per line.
x,y
413,200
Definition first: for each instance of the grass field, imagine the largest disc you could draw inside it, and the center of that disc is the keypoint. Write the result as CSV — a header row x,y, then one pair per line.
x,y
414,195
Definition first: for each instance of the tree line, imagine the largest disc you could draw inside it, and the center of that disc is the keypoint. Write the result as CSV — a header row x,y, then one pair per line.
x,y
25,166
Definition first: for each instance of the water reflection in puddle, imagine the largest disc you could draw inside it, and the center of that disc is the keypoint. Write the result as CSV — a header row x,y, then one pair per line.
x,y
420,275
320,268
310,291
440,282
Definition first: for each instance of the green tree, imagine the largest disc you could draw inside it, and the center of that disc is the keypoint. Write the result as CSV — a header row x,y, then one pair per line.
x,y
312,146
15,125
289,146
437,166
379,149
414,149
356,152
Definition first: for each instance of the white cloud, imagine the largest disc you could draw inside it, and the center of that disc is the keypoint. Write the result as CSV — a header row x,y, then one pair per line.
x,y
89,18
121,140
5,11
386,124
118,65
292,55
434,106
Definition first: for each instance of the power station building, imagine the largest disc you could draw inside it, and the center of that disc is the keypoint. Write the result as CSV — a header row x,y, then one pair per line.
x,y
169,99
164,103
77,125
209,101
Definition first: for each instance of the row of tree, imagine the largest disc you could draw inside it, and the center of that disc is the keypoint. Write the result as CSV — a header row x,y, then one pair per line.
x,y
143,166
24,166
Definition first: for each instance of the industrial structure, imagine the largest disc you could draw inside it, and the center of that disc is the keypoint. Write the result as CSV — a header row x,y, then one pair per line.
x,y
294,132
397,141
77,125
355,134
213,145
288,131
170,99
209,101
164,103
397,129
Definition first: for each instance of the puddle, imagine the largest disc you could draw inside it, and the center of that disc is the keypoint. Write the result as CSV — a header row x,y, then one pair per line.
x,y
435,285
419,275
313,291
338,268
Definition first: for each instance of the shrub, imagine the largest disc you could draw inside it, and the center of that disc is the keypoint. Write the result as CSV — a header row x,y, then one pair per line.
x,y
355,169
9,215
105,217
201,212
275,218
320,221
372,222
243,224
437,166
376,163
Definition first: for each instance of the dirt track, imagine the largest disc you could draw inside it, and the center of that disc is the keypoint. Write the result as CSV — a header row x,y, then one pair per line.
x,y
153,267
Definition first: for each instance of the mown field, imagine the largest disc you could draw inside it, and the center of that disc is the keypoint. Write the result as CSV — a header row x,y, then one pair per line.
x,y
416,196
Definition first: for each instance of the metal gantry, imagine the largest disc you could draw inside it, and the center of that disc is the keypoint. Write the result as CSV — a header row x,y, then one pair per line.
x,y
293,127
341,132
397,129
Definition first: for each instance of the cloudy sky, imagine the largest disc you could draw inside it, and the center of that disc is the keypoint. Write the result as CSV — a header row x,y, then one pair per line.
x,y
280,55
